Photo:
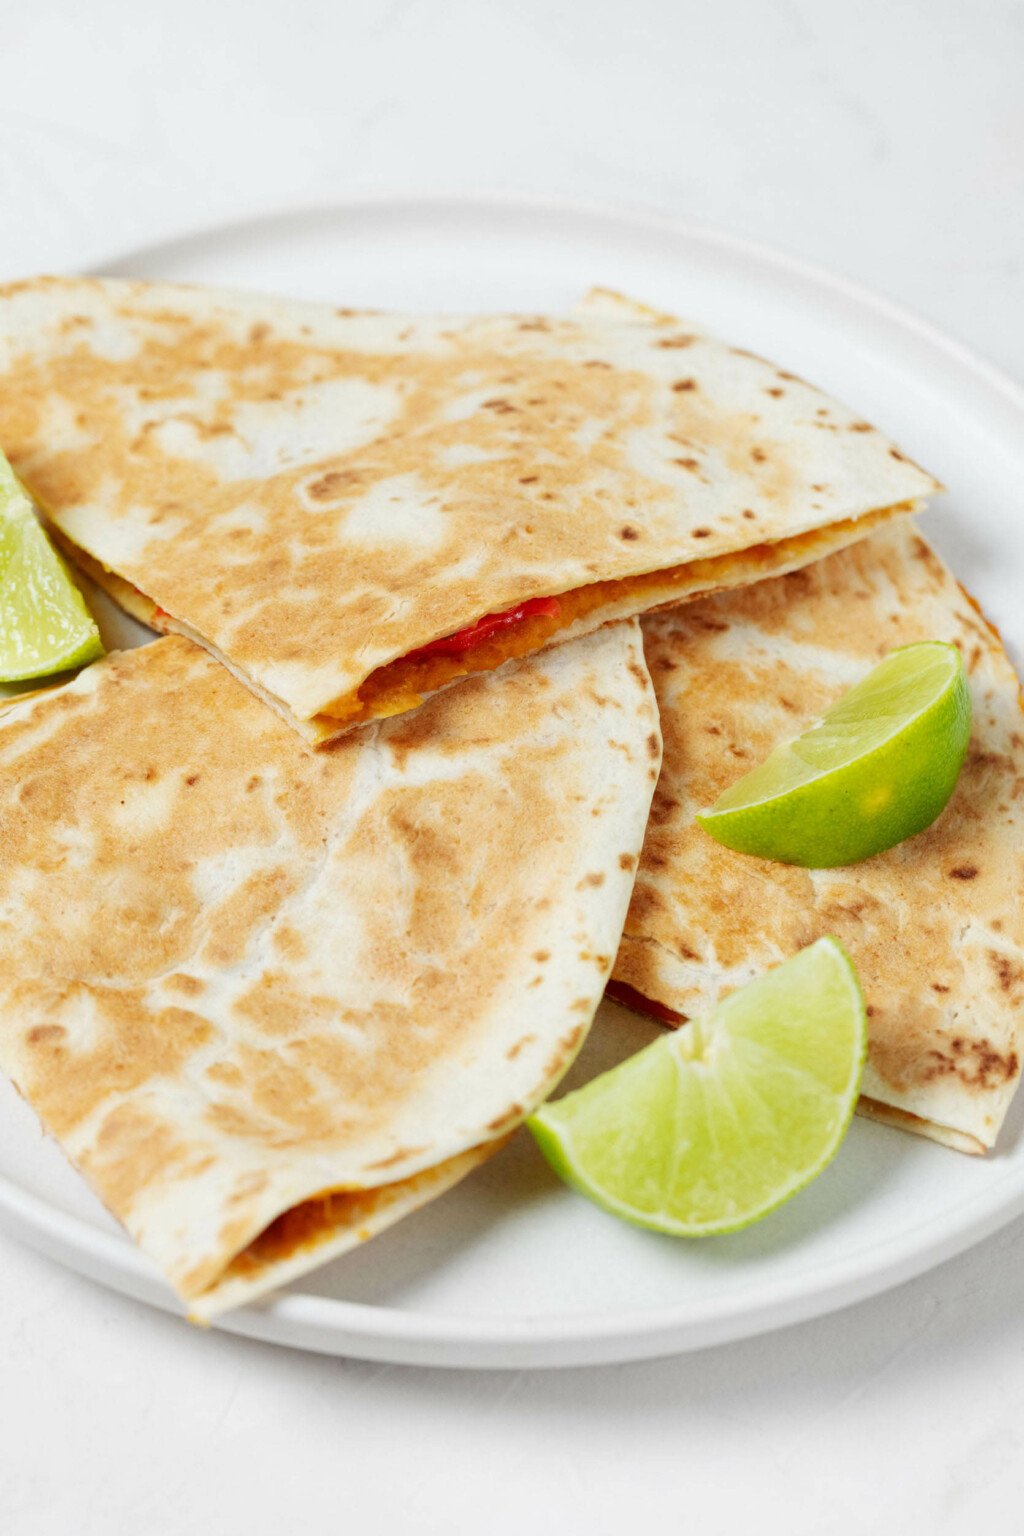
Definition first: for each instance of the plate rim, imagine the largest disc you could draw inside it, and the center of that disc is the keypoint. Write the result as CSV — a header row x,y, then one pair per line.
x,y
401,1335
398,1334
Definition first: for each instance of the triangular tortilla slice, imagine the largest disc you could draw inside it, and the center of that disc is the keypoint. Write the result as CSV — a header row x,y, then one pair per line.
x,y
269,1000
934,926
317,495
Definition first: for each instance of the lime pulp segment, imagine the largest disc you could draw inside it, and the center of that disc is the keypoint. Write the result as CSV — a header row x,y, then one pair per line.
x,y
879,767
45,626
714,1126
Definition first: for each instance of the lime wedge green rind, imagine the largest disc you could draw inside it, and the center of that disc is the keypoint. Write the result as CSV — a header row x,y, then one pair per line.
x,y
45,626
713,1127
879,767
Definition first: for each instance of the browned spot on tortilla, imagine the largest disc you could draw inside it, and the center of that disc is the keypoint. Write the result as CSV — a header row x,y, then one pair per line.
x,y
627,861
596,878
687,463
683,385
541,955
288,941
975,1062
332,484
181,981
662,810
680,340
1009,973
964,872
225,1072
46,1034
758,455
400,1156
513,1050
628,532
702,533
566,1047
507,1119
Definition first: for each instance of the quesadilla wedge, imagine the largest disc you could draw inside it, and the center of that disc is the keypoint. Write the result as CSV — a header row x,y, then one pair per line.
x,y
934,926
269,1000
352,510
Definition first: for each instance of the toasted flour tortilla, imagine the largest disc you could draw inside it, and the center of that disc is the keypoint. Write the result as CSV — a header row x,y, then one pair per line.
x,y
269,1000
935,925
315,494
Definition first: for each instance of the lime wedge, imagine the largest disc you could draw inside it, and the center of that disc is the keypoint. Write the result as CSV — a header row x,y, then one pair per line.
x,y
45,626
880,766
715,1125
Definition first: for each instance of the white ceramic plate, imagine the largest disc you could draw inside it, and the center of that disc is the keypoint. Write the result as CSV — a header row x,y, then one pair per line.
x,y
511,1269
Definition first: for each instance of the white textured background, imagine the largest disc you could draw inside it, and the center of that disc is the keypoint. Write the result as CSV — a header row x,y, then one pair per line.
x,y
885,140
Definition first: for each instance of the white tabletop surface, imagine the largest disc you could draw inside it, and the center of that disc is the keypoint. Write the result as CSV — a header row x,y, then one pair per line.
x,y
885,140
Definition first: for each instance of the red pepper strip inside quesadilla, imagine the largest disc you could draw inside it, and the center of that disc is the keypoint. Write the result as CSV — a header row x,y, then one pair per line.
x,y
488,627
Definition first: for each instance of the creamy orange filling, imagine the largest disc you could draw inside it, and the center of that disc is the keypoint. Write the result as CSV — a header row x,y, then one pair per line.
x,y
302,1228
